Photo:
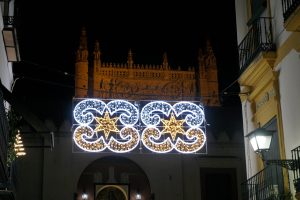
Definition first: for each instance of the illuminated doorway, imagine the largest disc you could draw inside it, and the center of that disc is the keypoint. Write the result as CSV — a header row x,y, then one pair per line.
x,y
111,192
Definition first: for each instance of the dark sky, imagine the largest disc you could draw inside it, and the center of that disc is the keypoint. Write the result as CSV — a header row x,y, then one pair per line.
x,y
48,33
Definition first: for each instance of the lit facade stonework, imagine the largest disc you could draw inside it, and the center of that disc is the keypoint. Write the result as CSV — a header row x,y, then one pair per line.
x,y
145,81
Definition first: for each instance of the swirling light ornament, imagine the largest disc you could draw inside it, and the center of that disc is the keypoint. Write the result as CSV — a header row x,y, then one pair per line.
x,y
182,130
86,112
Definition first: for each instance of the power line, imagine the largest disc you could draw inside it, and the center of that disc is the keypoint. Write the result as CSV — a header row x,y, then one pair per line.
x,y
40,66
222,93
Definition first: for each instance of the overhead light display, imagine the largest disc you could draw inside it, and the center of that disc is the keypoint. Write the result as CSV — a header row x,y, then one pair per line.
x,y
118,126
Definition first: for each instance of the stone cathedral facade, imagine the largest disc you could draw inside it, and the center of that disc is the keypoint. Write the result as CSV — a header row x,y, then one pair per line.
x,y
133,81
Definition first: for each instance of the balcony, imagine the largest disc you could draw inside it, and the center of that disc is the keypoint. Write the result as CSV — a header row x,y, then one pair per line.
x,y
291,14
3,141
296,171
7,177
265,185
8,188
259,39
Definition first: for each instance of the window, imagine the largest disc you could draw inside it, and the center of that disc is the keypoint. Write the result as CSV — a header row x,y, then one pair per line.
x,y
257,8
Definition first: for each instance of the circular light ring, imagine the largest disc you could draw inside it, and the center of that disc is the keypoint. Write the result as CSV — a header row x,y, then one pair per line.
x,y
127,133
195,113
81,137
149,115
82,111
149,136
129,115
198,140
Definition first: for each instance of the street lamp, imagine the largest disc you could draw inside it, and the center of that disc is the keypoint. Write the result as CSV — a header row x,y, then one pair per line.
x,y
138,195
84,196
10,39
260,140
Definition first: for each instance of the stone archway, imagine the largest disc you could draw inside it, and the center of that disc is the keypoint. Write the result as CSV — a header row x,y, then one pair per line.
x,y
111,192
113,178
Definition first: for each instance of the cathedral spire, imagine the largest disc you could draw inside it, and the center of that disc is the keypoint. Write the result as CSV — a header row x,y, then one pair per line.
x,y
200,57
165,61
82,52
202,69
211,59
130,59
81,67
97,56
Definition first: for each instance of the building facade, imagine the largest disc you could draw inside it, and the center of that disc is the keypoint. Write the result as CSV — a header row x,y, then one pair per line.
x,y
93,78
9,53
268,43
63,172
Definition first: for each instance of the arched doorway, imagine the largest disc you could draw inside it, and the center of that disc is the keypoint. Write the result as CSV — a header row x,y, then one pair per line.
x,y
113,178
111,192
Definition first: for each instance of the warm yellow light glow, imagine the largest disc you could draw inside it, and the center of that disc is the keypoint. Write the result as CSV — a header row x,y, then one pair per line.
x,y
173,126
119,146
184,147
159,147
106,124
82,133
18,146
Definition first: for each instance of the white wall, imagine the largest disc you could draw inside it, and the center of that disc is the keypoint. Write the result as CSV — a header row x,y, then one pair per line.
x,y
241,19
6,74
289,84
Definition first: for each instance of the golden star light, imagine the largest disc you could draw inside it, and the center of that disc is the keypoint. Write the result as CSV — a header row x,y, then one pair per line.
x,y
173,126
106,124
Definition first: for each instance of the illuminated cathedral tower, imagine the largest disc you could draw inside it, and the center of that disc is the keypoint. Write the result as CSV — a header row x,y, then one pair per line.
x,y
145,81
81,67
208,71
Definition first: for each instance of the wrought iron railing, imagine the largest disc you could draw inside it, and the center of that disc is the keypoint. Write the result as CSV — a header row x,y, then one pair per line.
x,y
258,39
296,172
3,139
288,7
8,188
265,185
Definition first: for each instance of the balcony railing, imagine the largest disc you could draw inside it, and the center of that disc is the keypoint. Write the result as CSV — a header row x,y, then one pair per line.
x,y
288,7
265,185
8,188
258,39
296,172
3,140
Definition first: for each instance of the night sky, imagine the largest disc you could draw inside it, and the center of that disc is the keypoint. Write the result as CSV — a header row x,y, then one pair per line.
x,y
48,34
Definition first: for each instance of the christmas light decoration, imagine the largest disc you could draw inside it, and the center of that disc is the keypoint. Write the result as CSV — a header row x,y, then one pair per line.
x,y
18,145
172,126
117,125
106,134
182,116
106,124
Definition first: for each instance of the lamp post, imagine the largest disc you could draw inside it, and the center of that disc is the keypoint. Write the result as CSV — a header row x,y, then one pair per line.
x,y
260,140
10,39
